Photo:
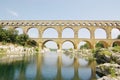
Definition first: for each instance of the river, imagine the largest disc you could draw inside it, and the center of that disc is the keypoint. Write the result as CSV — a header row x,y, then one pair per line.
x,y
48,66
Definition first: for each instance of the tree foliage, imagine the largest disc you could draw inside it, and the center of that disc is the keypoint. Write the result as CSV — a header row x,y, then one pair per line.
x,y
11,36
85,46
99,45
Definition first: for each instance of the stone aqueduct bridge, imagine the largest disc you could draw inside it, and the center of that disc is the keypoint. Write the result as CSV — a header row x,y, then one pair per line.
x,y
60,25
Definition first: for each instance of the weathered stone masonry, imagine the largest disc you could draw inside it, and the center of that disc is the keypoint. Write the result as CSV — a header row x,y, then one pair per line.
x,y
60,25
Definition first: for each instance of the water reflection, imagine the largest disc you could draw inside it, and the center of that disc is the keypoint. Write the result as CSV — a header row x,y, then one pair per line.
x,y
48,66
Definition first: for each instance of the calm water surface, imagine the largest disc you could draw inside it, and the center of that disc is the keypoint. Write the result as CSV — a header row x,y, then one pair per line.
x,y
48,66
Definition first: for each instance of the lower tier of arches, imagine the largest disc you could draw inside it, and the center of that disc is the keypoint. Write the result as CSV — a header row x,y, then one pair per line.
x,y
77,43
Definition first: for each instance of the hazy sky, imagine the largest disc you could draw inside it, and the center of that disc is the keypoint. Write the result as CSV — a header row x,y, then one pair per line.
x,y
61,10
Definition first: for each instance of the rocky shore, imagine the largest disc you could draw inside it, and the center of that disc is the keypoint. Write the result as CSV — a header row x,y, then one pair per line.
x,y
108,60
13,51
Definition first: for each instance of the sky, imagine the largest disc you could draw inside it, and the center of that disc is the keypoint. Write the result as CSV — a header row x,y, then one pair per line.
x,y
61,10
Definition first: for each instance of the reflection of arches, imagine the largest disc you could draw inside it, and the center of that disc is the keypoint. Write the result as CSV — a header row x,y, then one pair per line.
x,y
20,30
50,44
116,43
85,44
83,71
33,32
102,44
67,73
67,33
50,33
84,33
115,32
67,61
100,33
68,45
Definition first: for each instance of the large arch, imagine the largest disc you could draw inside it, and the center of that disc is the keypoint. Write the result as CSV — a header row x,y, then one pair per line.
x,y
33,32
101,44
85,45
84,33
115,32
100,33
116,43
68,33
68,45
50,44
20,30
50,33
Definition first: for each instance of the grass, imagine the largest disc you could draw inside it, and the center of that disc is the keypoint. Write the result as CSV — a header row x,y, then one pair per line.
x,y
112,72
116,49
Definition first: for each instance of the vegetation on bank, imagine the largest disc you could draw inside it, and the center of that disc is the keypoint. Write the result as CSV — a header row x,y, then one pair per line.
x,y
12,36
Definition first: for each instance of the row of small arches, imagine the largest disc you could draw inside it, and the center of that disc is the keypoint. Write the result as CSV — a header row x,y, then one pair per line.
x,y
62,24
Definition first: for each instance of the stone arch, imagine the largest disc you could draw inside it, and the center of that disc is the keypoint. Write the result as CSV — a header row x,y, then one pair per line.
x,y
43,44
50,33
68,32
100,33
84,33
90,46
115,32
116,43
68,45
103,44
30,27
19,29
33,32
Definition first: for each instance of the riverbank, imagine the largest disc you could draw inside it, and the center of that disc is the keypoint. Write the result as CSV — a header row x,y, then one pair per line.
x,y
15,51
108,60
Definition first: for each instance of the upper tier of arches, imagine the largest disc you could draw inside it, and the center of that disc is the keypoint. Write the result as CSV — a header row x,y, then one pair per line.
x,y
91,29
69,32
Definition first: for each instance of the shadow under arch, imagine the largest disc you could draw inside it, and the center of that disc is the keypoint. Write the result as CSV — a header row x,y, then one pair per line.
x,y
90,46
116,43
74,46
43,44
101,44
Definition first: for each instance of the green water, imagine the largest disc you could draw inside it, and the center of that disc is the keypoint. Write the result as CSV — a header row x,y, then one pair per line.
x,y
48,66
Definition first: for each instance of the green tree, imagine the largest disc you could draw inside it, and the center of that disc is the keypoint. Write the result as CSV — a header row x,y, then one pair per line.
x,y
22,39
11,36
85,46
99,45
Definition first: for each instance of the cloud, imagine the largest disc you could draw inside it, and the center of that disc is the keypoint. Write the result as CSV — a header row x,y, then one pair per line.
x,y
13,13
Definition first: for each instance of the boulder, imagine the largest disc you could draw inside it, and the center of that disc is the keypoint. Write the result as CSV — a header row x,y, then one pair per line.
x,y
106,69
109,78
116,57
